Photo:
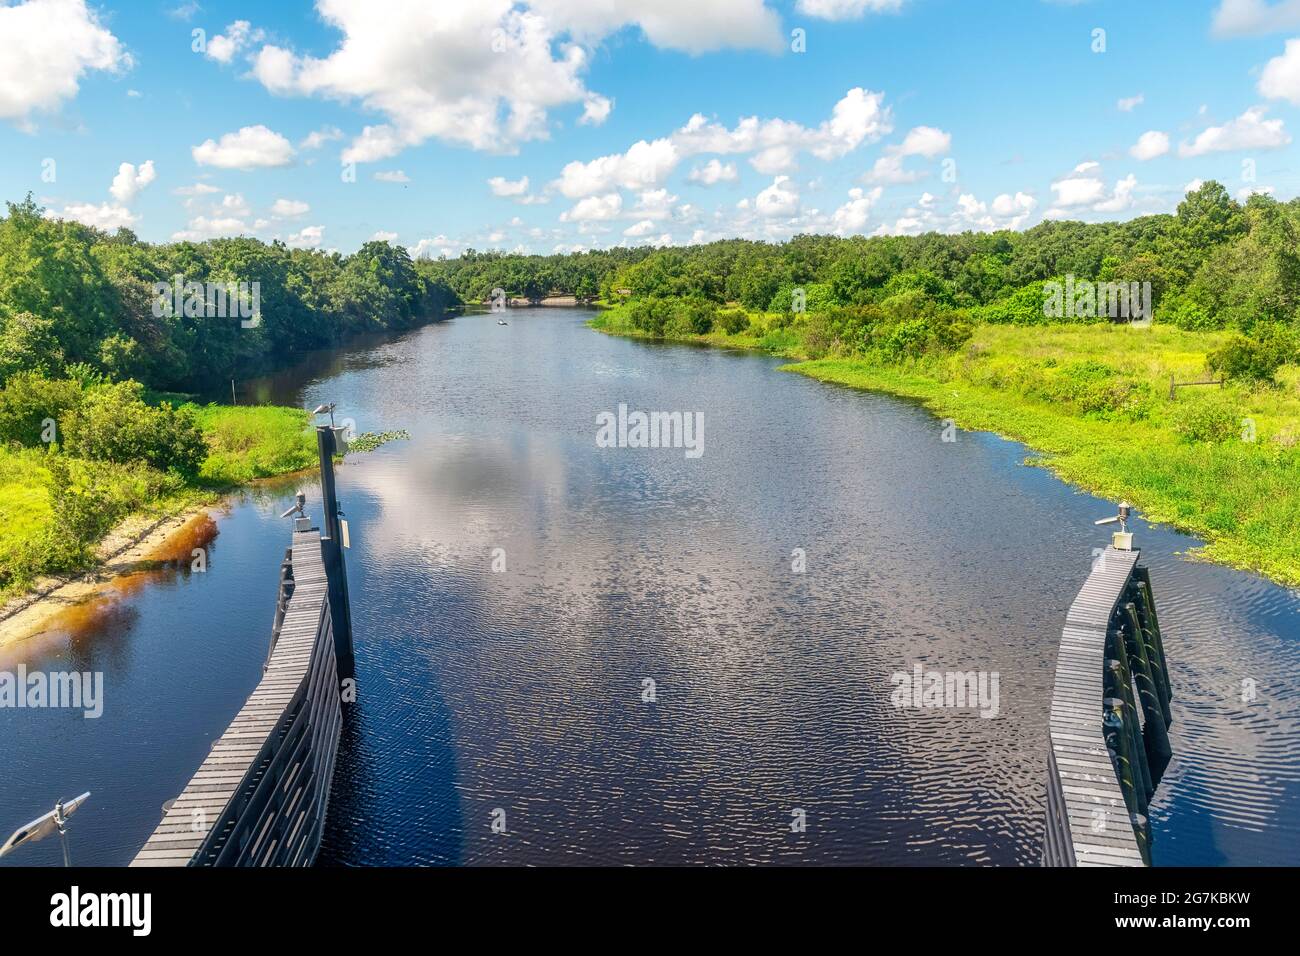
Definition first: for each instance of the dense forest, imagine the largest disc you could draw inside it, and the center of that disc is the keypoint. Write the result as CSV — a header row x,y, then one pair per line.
x,y
1214,264
72,296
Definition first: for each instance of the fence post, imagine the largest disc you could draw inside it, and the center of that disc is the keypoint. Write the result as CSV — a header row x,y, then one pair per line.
x,y
332,553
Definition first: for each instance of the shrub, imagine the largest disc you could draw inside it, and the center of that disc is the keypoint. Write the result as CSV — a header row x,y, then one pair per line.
x,y
930,285
649,315
1254,359
949,333
850,327
817,336
28,343
82,512
903,341
699,315
817,297
1093,388
1025,306
910,338
88,498
29,401
113,423
1186,315
1206,420
733,323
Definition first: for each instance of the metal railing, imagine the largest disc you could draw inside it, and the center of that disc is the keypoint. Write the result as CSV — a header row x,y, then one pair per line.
x,y
1110,720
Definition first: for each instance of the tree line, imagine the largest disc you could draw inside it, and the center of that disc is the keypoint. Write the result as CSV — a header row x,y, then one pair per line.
x,y
72,296
1215,263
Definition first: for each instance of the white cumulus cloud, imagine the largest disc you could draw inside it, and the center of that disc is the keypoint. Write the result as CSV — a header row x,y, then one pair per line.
x,y
1253,17
46,47
289,208
852,216
847,9
858,117
714,172
594,208
103,216
1150,144
319,137
309,237
129,181
250,148
238,35
486,73
595,109
501,186
1280,78
212,227
779,199
925,141
1250,130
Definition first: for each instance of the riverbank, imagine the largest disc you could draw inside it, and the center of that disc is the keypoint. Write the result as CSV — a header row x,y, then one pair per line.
x,y
138,543
244,444
1220,463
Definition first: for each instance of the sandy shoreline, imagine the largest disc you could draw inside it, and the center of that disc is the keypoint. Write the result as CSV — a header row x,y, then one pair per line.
x,y
136,544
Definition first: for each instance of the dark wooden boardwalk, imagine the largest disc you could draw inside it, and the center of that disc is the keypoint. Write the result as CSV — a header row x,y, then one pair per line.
x,y
261,796
1100,745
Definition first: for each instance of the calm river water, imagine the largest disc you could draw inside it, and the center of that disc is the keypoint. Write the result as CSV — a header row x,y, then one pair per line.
x,y
524,690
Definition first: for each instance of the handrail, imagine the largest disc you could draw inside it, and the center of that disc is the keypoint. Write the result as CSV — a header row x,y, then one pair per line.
x,y
1110,716
261,796
281,603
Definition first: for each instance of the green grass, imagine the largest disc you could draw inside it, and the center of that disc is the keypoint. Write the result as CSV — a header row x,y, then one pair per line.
x,y
255,441
245,443
614,320
24,512
1093,401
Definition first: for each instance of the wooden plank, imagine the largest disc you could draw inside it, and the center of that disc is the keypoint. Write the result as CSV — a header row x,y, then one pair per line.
x,y
1082,776
235,769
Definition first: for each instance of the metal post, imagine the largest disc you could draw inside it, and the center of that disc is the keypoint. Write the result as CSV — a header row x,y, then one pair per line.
x,y
332,553
61,822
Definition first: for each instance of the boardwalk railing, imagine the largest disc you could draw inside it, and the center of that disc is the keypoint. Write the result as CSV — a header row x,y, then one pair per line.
x,y
261,796
1109,721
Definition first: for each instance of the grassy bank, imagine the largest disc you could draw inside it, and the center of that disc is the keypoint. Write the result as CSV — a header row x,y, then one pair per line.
x,y
243,444
1220,463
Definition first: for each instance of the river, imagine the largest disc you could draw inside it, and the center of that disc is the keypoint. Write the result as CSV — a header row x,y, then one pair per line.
x,y
521,693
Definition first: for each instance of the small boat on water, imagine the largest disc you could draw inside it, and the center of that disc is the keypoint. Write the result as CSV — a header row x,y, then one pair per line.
x,y
502,322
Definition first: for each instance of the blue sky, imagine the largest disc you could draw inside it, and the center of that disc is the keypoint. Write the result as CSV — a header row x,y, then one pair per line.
x,y
637,121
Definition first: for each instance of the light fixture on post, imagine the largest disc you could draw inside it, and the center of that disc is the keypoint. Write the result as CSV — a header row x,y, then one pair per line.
x,y
56,821
1121,540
